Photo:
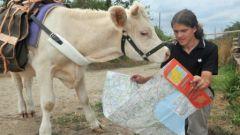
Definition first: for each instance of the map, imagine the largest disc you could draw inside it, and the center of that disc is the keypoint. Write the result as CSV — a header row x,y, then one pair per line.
x,y
153,108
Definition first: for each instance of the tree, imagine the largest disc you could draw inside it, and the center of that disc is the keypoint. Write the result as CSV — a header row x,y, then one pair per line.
x,y
161,35
125,4
108,3
92,4
235,26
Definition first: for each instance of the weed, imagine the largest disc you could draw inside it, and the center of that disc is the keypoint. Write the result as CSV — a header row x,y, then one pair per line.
x,y
98,108
217,130
229,82
224,79
70,118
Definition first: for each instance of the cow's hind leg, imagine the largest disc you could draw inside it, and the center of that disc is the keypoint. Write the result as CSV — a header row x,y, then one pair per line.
x,y
47,98
22,108
27,83
84,101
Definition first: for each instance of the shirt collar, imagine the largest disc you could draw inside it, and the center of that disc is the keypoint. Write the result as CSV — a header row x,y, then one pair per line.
x,y
201,44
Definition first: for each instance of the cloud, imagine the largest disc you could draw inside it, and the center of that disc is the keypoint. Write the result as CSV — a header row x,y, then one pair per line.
x,y
211,13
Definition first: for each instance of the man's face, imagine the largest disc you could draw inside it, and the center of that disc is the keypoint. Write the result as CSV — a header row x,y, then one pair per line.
x,y
184,35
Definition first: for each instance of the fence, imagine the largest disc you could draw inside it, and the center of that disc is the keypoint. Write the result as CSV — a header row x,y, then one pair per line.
x,y
228,44
236,51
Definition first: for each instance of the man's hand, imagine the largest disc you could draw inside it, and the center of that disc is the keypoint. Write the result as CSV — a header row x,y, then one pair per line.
x,y
139,79
199,83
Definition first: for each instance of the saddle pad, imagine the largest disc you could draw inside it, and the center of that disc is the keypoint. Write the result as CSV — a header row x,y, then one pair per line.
x,y
34,30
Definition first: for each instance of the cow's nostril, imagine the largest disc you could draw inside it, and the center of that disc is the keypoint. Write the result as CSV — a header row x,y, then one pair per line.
x,y
167,54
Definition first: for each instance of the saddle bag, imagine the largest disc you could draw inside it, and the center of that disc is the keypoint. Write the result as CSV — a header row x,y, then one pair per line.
x,y
14,28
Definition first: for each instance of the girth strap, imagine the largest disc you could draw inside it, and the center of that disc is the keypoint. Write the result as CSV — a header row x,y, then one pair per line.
x,y
46,30
63,45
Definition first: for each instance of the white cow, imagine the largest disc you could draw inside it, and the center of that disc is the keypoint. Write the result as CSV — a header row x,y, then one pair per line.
x,y
97,35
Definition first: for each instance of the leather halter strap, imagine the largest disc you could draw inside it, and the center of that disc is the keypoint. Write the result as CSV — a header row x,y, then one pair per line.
x,y
141,53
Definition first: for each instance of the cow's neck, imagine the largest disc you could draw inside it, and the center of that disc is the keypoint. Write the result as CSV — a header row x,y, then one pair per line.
x,y
97,37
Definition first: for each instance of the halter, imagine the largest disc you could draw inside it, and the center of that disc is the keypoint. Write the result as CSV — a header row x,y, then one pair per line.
x,y
145,56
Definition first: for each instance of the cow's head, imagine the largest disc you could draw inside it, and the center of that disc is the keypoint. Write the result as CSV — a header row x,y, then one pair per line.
x,y
137,26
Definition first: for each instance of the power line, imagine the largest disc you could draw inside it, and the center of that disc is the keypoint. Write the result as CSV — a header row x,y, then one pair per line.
x,y
226,32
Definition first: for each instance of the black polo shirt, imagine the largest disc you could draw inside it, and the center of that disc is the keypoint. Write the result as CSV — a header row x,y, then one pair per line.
x,y
204,57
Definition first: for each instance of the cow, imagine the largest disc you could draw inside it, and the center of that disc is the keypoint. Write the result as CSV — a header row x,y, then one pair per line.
x,y
98,36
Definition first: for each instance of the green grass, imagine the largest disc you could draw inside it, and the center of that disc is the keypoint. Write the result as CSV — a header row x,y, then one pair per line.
x,y
228,81
217,130
235,117
69,118
225,77
98,108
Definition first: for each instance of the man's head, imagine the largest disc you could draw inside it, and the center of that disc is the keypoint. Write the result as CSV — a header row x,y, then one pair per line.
x,y
185,26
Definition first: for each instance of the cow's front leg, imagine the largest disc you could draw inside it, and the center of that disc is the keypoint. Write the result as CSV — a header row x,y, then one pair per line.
x,y
22,109
47,98
84,101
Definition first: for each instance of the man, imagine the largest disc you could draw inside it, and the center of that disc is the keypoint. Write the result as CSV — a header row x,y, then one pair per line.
x,y
197,55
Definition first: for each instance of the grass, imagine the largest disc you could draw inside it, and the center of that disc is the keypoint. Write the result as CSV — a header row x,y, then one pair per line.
x,y
218,130
122,62
77,117
69,118
97,107
225,77
228,81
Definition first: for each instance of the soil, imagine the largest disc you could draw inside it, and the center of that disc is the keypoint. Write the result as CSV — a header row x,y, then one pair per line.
x,y
67,116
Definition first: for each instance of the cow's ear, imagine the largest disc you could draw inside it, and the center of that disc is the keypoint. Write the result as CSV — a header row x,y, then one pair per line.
x,y
118,15
134,10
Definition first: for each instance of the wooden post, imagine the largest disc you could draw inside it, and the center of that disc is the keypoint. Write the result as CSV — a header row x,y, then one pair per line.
x,y
238,39
236,51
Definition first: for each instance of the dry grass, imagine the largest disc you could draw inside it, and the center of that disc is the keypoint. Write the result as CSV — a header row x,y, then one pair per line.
x,y
118,63
220,119
224,49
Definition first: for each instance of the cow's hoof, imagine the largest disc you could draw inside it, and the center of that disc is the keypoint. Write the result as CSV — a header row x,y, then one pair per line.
x,y
97,127
98,130
32,113
24,115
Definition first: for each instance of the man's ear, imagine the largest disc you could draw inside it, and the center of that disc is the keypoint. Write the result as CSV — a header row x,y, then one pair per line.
x,y
118,15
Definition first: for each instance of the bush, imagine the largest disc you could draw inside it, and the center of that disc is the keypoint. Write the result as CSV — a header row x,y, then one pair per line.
x,y
92,4
161,35
223,81
229,82
236,114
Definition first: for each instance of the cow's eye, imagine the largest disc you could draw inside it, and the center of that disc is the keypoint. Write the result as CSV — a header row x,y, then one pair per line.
x,y
144,33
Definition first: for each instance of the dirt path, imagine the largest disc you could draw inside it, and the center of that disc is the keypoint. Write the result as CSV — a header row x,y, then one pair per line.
x,y
65,120
68,118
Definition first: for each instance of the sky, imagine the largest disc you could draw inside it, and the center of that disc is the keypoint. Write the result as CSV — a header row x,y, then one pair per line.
x,y
214,15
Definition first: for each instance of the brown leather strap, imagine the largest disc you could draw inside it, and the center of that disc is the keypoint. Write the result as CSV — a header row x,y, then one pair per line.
x,y
5,63
8,39
24,8
31,1
11,21
4,19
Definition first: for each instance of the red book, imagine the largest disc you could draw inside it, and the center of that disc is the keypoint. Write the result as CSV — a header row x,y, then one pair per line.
x,y
180,77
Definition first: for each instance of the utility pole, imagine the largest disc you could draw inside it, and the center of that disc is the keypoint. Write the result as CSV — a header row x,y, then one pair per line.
x,y
215,31
159,20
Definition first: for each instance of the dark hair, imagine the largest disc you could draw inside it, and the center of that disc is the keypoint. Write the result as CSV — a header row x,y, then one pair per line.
x,y
189,19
